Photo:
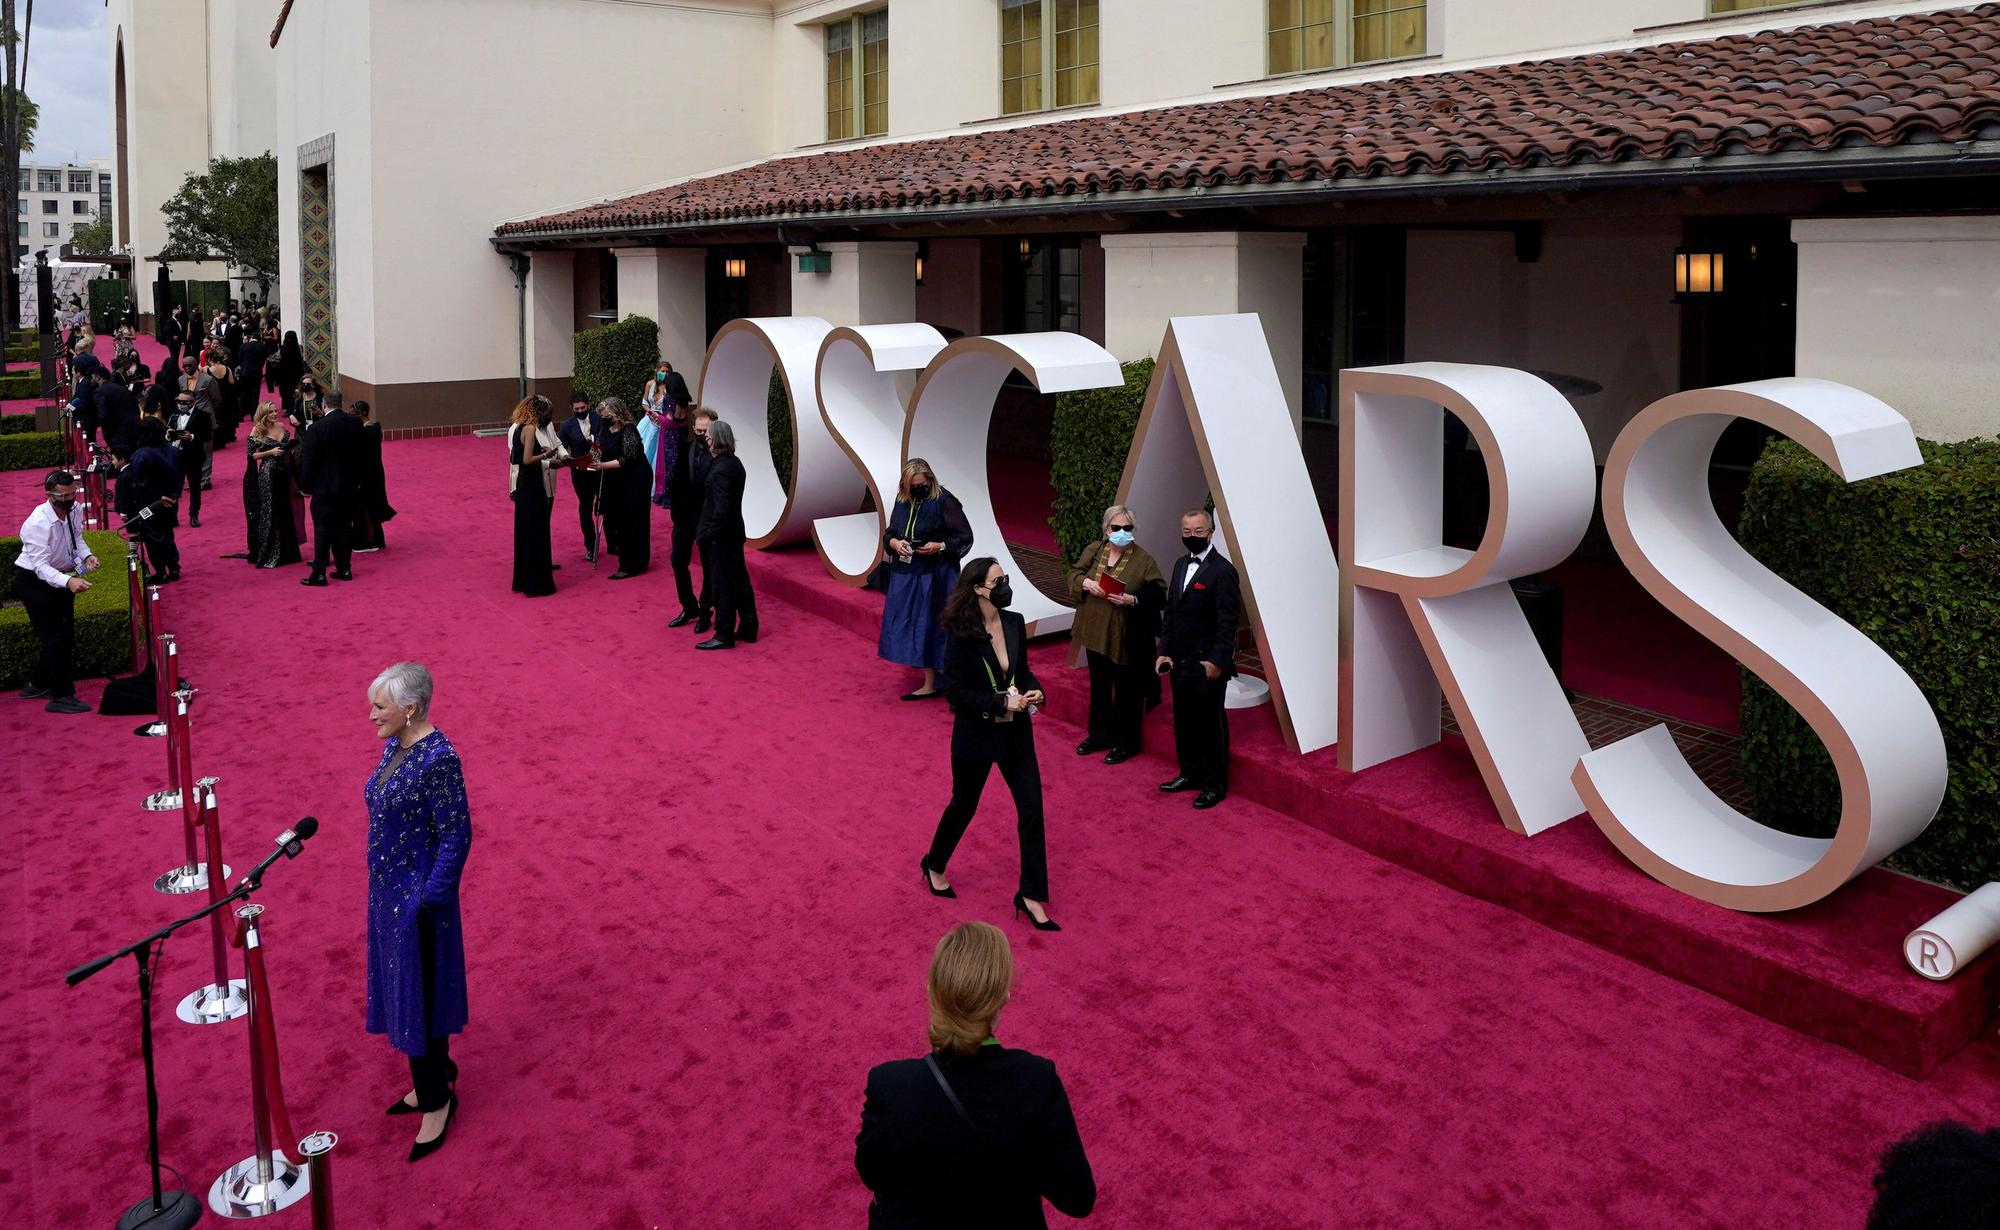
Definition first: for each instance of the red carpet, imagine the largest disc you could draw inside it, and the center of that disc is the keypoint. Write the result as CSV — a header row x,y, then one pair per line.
x,y
693,923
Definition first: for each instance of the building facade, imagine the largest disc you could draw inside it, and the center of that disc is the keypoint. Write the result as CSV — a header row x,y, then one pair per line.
x,y
54,198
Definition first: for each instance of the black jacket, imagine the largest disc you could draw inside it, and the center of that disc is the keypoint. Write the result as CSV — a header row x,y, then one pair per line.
x,y
154,472
250,358
1199,624
117,413
940,519
928,1169
687,485
722,503
578,435
970,672
171,332
332,461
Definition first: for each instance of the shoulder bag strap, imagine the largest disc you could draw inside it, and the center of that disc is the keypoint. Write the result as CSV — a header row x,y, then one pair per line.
x,y
930,1061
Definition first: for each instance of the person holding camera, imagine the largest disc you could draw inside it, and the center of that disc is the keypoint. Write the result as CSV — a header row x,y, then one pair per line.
x,y
1198,649
48,575
149,478
993,696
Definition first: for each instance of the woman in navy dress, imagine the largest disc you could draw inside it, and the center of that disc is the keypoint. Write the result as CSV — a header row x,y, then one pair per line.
x,y
419,832
926,538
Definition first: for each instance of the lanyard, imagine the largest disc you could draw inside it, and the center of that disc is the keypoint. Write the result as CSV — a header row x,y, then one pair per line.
x,y
910,526
994,680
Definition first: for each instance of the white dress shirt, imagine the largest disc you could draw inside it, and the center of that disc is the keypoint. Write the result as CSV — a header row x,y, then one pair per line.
x,y
52,547
1195,567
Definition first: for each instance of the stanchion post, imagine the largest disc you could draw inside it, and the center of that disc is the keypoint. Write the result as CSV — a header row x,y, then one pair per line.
x,y
266,1181
189,877
225,999
141,646
318,1150
217,871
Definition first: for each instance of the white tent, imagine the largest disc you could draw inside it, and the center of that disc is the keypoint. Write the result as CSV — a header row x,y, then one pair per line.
x,y
67,278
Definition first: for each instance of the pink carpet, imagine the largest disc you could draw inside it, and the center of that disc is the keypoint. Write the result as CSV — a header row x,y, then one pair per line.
x,y
693,924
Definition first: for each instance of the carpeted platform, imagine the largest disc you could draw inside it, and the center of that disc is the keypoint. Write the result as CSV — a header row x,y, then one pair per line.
x,y
694,923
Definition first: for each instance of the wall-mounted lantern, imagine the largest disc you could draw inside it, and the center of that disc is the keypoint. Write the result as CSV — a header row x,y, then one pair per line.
x,y
1697,274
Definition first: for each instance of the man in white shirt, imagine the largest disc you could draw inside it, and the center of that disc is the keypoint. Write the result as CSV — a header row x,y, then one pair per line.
x,y
48,575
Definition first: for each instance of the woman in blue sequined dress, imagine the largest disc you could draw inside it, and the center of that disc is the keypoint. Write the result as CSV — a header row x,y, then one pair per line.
x,y
419,832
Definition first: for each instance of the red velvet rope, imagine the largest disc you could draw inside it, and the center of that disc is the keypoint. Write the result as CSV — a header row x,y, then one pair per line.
x,y
264,1020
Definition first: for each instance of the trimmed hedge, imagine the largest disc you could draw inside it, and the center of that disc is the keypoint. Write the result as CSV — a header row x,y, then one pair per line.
x,y
15,424
20,384
24,354
778,420
617,360
1913,560
107,303
103,616
31,450
1087,445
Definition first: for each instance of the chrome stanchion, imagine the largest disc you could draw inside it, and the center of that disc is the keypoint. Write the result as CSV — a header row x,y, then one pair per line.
x,y
167,676
225,999
192,875
318,1149
167,682
267,1181
141,645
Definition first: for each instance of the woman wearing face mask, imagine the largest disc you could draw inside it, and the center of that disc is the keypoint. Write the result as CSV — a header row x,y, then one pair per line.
x,y
532,451
993,696
1119,593
926,537
306,406
660,431
627,480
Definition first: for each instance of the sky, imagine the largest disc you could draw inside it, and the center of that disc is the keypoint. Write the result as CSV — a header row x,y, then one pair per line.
x,y
68,79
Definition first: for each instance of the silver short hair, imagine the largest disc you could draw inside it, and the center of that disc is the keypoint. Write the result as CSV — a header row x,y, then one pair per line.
x,y
408,686
1117,510
721,438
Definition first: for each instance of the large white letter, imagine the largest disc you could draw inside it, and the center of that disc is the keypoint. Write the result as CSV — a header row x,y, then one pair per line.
x,y
1405,596
857,394
1212,423
736,382
1880,731
951,414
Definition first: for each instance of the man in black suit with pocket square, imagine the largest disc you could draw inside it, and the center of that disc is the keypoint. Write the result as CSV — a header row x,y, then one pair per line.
x,y
579,433
331,474
1198,648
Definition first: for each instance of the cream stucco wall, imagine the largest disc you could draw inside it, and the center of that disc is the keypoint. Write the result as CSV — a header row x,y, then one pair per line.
x,y
242,74
166,118
1907,309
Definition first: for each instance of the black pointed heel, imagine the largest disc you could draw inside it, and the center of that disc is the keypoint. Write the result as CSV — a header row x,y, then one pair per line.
x,y
400,1107
424,1148
1021,910
924,865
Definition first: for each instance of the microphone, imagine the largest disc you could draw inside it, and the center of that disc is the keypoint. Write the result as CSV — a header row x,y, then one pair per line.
x,y
290,842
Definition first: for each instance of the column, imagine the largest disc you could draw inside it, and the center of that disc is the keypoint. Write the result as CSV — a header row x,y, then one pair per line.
x,y
670,287
865,284
1150,278
551,323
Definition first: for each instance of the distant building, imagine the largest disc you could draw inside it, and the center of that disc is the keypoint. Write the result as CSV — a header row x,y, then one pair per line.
x,y
54,198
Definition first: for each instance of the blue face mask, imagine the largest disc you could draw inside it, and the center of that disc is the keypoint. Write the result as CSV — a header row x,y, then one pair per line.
x,y
1120,538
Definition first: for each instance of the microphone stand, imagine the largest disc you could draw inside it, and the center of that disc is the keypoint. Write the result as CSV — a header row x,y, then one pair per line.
x,y
172,1210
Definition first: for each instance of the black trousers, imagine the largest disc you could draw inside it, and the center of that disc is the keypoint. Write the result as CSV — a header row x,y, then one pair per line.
x,y
52,614
432,1072
333,527
735,604
197,463
1201,729
681,557
585,485
1023,775
1117,701
156,536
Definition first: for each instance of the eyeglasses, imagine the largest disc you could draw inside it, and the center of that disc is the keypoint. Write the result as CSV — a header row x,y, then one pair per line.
x,y
999,580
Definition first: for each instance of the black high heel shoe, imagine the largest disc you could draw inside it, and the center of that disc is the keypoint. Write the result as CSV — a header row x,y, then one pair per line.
x,y
424,1148
924,863
1021,908
400,1107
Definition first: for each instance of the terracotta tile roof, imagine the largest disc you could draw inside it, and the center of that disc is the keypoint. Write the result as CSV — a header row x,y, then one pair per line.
x,y
1883,82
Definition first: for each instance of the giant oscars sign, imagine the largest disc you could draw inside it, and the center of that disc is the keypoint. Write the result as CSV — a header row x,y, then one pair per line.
x,y
1358,650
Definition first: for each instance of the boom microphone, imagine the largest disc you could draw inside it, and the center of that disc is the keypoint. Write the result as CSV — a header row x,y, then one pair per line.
x,y
289,843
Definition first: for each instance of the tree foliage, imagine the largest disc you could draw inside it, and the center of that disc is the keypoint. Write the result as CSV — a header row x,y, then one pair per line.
x,y
92,238
31,117
231,211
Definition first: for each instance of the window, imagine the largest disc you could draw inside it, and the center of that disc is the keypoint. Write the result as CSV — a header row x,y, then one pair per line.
x,y
1048,54
24,180
48,181
103,183
1306,35
49,207
1044,285
79,181
52,230
21,228
857,94
79,207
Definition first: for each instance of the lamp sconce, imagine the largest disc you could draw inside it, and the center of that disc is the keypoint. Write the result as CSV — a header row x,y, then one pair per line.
x,y
923,251
812,260
1698,275
735,267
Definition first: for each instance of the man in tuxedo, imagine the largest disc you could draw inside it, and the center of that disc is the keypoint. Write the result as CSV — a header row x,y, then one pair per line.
x,y
173,332
250,357
149,477
117,413
331,474
582,429
687,488
1198,646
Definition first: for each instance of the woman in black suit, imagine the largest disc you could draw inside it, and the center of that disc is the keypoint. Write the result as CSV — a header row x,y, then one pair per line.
x,y
721,536
993,696
975,1133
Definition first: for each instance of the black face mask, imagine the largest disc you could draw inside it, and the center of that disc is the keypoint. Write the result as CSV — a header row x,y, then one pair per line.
x,y
920,492
1195,546
1002,595
62,506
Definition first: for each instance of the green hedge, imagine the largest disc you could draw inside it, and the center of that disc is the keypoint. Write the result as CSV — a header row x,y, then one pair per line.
x,y
31,450
107,302
24,354
778,418
1913,560
103,616
1087,446
617,360
15,424
20,384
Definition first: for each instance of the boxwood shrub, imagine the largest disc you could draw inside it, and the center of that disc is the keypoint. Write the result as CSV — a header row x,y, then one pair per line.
x,y
20,384
24,354
617,360
31,450
1913,560
103,616
778,419
15,424
1087,446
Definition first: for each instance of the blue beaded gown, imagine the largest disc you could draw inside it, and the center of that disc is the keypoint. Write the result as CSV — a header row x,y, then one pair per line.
x,y
419,832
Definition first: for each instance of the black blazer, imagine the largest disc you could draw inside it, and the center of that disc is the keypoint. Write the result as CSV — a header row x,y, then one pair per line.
x,y
722,503
332,461
687,485
578,433
1199,625
928,1169
968,689
117,411
171,332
